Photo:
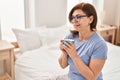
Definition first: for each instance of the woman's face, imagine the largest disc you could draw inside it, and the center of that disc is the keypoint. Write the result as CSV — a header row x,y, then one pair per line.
x,y
80,20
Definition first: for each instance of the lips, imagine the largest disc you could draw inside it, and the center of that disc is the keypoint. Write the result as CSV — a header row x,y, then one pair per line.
x,y
77,25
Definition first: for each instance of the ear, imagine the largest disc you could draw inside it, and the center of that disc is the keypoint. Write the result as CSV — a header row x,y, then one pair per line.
x,y
91,19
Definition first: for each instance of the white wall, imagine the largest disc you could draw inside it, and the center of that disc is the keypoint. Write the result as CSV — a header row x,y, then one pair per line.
x,y
50,12
0,31
11,15
29,13
111,11
118,13
54,12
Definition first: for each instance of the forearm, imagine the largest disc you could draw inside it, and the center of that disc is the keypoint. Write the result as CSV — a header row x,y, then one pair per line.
x,y
84,69
63,60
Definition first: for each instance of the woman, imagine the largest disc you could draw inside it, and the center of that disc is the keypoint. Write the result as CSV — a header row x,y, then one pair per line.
x,y
87,56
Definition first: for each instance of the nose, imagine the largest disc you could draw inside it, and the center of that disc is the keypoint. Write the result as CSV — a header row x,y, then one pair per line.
x,y
74,20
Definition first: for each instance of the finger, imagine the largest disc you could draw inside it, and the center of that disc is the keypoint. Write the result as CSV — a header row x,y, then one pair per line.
x,y
69,44
66,48
61,41
61,46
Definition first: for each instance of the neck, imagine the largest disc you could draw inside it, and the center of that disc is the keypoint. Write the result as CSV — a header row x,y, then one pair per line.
x,y
84,35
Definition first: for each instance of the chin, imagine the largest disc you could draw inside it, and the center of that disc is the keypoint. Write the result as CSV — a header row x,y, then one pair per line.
x,y
76,28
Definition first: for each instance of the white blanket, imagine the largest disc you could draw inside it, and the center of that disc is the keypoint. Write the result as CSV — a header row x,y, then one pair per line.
x,y
42,64
39,64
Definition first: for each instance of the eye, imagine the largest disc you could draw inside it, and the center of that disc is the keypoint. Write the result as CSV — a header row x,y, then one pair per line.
x,y
72,17
78,16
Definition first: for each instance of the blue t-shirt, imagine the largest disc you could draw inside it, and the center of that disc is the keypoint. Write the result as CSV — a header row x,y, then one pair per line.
x,y
94,47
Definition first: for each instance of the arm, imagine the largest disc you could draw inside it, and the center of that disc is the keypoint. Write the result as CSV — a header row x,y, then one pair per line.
x,y
90,72
63,58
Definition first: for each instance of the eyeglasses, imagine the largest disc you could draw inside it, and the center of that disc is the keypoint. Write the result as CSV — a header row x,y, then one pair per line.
x,y
77,18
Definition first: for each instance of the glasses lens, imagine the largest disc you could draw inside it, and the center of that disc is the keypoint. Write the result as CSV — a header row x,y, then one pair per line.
x,y
77,18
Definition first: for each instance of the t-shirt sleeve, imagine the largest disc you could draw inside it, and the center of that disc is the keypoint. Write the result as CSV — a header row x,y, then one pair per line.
x,y
100,50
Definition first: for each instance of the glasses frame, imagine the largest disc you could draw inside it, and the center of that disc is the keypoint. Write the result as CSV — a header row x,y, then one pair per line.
x,y
77,18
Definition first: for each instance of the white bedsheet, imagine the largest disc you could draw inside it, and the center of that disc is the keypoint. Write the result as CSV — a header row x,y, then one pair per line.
x,y
39,64
42,64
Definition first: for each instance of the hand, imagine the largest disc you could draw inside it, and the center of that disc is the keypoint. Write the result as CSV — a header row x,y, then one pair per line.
x,y
61,47
70,49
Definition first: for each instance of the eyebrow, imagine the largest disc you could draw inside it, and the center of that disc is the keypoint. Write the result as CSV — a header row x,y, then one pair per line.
x,y
78,14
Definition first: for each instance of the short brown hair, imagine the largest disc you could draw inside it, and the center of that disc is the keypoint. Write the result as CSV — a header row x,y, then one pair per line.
x,y
89,10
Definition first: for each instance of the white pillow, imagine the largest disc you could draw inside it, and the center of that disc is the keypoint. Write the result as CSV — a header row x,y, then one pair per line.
x,y
51,36
27,39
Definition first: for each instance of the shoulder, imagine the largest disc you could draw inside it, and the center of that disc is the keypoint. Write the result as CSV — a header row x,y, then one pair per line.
x,y
99,49
100,40
97,41
97,36
101,43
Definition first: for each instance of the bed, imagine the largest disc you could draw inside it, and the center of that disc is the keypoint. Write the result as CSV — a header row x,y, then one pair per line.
x,y
41,62
111,70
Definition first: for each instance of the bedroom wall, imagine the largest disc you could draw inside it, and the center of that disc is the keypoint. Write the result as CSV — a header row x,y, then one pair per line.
x,y
112,16
111,11
50,12
117,8
118,23
53,12
0,31
29,13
